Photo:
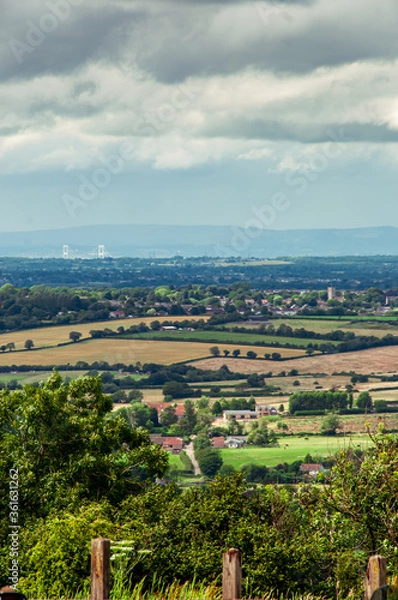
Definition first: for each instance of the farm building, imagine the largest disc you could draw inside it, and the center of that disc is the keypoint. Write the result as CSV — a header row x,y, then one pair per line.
x,y
261,410
218,442
236,441
239,415
171,444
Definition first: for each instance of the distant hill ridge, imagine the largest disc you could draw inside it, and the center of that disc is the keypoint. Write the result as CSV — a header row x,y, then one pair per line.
x,y
199,240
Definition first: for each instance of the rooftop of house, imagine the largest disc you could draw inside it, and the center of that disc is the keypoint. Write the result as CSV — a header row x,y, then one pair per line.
x,y
176,442
218,441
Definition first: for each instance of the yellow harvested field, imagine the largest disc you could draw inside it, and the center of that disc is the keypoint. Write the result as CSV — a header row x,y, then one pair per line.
x,y
110,350
51,336
389,395
114,350
376,360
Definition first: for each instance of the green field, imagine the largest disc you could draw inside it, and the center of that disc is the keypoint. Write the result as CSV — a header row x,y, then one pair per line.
x,y
34,377
175,461
292,448
225,337
377,326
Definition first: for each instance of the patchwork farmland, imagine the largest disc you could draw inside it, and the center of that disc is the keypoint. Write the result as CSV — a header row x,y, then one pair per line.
x,y
45,337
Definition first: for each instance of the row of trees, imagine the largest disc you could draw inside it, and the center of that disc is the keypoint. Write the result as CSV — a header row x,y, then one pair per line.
x,y
314,401
215,351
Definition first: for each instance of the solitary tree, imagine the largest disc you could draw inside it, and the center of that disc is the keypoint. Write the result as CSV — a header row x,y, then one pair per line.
x,y
236,353
210,462
10,346
168,416
29,344
188,421
75,336
215,351
330,424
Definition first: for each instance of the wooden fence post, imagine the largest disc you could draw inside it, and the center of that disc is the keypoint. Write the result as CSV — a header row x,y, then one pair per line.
x,y
232,575
100,568
376,575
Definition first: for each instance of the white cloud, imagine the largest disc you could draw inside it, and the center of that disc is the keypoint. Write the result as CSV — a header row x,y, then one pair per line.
x,y
225,109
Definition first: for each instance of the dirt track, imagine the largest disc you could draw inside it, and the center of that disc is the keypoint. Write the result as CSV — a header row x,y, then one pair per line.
x,y
376,360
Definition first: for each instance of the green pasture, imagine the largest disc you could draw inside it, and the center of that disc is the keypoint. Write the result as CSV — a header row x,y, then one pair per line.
x,y
228,383
292,448
35,376
224,337
377,326
352,318
175,461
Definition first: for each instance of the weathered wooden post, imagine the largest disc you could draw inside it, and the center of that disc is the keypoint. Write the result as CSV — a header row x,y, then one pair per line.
x,y
232,575
376,575
100,568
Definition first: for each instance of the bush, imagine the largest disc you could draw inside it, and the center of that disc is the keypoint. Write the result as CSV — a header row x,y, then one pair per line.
x,y
210,461
56,551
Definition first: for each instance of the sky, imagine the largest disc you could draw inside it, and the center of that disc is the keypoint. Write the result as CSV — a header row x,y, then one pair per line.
x,y
226,112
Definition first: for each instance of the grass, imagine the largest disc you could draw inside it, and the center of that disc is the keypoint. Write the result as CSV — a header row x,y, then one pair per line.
x,y
230,337
53,335
291,448
32,377
175,461
378,328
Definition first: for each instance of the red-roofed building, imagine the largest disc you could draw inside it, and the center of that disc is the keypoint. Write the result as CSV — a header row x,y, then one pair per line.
x,y
218,442
171,444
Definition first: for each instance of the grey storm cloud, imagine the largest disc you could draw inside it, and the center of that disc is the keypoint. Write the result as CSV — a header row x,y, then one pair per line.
x,y
271,38
175,39
157,44
28,48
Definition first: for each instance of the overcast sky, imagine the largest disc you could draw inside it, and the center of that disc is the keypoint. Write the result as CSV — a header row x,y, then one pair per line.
x,y
198,112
